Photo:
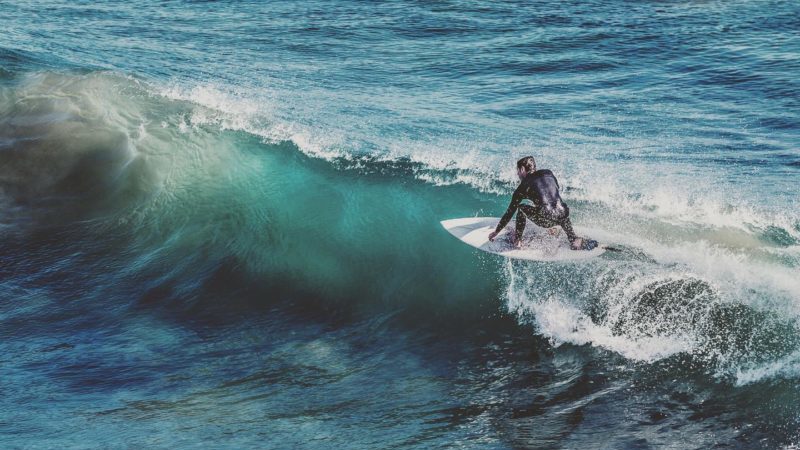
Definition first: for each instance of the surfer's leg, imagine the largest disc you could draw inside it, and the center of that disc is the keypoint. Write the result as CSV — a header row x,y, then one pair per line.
x,y
577,243
528,212
522,214
566,225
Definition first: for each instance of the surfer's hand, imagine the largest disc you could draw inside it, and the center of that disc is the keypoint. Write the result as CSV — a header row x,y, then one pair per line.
x,y
493,235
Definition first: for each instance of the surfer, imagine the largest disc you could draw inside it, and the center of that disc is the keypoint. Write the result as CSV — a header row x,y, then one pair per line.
x,y
547,211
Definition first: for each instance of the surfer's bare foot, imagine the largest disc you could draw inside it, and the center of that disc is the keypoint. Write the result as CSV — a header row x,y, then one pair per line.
x,y
577,244
516,243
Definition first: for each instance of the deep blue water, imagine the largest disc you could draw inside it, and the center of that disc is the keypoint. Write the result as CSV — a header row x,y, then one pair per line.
x,y
219,224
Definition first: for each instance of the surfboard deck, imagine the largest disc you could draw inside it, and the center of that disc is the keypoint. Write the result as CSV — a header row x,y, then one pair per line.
x,y
537,243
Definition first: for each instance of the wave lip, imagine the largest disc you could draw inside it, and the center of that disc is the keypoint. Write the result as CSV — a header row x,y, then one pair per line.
x,y
68,138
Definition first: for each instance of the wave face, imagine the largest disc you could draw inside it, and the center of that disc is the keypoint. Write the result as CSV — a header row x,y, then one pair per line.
x,y
197,240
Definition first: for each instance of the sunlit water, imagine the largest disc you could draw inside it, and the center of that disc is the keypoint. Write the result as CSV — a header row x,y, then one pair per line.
x,y
219,225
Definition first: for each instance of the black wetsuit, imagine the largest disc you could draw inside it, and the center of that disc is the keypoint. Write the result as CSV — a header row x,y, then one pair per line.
x,y
548,210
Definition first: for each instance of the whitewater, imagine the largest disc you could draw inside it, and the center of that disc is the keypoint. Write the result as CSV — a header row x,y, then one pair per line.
x,y
219,225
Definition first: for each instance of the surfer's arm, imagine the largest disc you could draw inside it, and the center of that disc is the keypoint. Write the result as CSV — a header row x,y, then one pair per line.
x,y
516,199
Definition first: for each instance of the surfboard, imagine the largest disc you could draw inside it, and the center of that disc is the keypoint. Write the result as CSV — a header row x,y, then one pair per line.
x,y
538,244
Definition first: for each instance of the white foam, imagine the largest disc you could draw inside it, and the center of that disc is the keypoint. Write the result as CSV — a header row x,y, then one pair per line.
x,y
231,111
562,323
559,314
786,367
677,204
559,318
765,285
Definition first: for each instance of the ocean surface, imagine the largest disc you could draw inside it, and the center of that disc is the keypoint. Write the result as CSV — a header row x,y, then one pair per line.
x,y
219,224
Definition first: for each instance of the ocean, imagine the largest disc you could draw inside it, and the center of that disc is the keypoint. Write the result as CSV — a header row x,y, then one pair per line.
x,y
219,224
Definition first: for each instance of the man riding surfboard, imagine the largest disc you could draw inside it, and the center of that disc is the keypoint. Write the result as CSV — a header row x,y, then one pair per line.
x,y
547,211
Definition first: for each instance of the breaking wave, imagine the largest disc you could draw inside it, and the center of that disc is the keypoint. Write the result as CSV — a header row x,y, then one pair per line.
x,y
190,185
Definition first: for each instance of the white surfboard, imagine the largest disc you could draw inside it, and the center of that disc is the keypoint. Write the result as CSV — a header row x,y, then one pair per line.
x,y
537,243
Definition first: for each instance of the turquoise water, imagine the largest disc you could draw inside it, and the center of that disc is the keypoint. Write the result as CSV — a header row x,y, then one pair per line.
x,y
219,225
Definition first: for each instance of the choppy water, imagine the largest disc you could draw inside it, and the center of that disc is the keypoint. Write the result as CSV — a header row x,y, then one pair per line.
x,y
219,224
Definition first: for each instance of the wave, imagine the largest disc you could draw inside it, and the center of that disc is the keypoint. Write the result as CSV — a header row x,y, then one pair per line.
x,y
195,191
486,165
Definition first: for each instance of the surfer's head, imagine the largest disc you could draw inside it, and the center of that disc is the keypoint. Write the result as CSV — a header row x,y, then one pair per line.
x,y
525,166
